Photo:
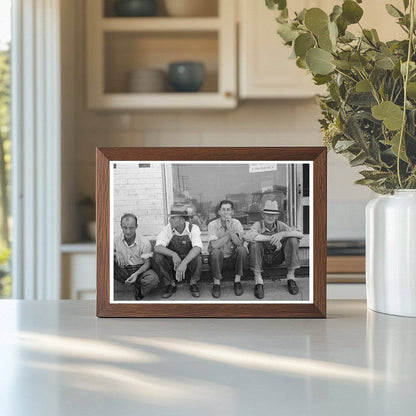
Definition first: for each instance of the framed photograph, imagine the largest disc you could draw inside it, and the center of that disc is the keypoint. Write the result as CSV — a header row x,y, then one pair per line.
x,y
211,232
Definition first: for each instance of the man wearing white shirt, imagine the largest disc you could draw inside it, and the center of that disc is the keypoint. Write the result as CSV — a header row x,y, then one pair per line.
x,y
132,253
226,250
177,252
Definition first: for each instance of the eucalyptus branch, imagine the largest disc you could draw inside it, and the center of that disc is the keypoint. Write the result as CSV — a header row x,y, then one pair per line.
x,y
406,79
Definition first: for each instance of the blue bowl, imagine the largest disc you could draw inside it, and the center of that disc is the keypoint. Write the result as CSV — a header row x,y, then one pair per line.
x,y
135,8
186,76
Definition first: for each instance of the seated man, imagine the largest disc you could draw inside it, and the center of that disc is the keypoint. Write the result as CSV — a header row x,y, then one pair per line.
x,y
272,242
178,249
226,250
132,254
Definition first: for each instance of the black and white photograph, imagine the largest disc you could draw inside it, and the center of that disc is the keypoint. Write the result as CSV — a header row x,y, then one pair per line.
x,y
211,232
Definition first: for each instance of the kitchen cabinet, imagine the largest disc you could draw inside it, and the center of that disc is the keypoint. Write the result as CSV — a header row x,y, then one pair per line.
x,y
265,70
118,45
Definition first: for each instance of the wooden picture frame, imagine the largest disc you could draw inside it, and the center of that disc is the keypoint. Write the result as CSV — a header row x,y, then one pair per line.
x,y
315,156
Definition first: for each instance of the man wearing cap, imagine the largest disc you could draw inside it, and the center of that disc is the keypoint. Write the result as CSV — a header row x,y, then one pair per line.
x,y
177,252
226,250
270,243
132,254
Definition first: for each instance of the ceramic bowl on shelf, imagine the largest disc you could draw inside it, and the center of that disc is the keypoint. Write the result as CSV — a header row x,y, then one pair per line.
x,y
135,8
191,8
186,76
147,80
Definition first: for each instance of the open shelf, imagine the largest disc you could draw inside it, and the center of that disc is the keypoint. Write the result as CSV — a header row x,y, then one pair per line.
x,y
127,51
116,46
160,24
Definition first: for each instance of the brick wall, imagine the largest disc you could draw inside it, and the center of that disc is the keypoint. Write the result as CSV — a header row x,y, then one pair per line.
x,y
140,191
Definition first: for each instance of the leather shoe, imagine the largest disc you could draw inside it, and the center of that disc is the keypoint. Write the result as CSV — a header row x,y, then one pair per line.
x,y
138,293
293,287
259,291
238,288
169,291
216,291
194,290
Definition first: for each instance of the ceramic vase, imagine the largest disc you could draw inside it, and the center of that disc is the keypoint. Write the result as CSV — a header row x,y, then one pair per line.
x,y
391,253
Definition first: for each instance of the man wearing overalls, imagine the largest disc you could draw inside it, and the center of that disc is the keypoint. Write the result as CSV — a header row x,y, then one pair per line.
x,y
177,253
270,243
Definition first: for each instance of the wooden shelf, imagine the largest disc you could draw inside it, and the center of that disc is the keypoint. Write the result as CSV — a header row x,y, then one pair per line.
x,y
159,24
163,101
346,264
116,46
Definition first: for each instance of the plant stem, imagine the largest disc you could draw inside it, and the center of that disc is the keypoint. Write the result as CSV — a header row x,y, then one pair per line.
x,y
406,79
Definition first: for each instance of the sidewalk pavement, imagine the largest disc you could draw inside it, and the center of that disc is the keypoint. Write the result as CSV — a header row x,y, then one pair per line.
x,y
274,290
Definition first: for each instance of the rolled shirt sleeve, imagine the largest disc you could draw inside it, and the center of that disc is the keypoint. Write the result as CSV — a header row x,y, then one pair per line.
x,y
146,250
212,231
196,237
163,237
253,232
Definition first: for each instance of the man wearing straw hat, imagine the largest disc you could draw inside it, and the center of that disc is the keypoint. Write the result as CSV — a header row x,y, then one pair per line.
x,y
177,253
270,243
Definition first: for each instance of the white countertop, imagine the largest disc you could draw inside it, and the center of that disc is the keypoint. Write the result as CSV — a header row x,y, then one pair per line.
x,y
57,358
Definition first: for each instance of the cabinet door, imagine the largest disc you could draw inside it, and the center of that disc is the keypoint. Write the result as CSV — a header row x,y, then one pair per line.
x,y
265,68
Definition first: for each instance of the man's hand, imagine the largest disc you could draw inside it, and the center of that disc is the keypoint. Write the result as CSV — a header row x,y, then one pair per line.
x,y
227,224
275,240
120,259
176,261
132,279
180,271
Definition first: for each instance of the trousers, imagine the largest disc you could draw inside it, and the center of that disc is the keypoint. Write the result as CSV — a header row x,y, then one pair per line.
x,y
147,281
163,266
236,261
289,252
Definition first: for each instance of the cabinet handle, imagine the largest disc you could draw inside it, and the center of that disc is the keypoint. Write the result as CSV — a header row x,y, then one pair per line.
x,y
228,94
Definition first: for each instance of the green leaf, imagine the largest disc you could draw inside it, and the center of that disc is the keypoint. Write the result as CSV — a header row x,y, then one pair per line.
x,y
406,4
303,43
286,32
347,37
364,181
342,25
375,35
343,145
393,11
319,61
325,43
321,79
341,64
316,20
358,160
385,63
336,12
390,113
351,11
276,4
411,90
394,144
301,63
363,86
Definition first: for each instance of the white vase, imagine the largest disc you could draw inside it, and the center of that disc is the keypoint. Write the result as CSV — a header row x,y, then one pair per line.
x,y
391,253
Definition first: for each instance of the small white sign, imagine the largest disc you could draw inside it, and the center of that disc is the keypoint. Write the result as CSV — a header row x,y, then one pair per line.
x,y
262,167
